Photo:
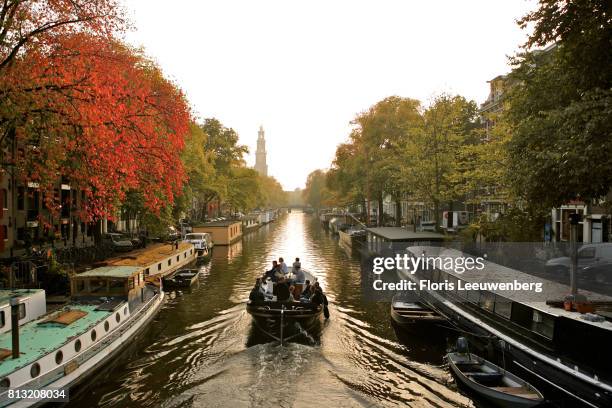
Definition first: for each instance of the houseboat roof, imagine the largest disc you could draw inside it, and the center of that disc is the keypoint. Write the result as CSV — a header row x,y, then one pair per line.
x,y
37,338
119,271
149,256
225,223
402,234
6,295
495,273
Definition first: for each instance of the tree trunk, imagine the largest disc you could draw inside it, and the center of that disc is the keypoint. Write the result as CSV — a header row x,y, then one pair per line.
x,y
380,210
398,212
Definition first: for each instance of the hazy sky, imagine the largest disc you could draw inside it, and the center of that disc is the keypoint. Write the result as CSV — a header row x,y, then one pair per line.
x,y
304,69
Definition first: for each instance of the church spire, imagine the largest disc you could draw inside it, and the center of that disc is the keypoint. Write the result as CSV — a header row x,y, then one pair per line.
x,y
260,153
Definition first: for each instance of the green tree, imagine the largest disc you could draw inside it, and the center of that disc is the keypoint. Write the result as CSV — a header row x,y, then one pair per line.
x,y
560,110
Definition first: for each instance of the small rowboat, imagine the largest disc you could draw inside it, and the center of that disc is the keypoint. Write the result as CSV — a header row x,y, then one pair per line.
x,y
493,383
182,278
408,314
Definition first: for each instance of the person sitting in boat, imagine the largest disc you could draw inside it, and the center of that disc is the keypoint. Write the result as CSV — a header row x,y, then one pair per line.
x,y
298,281
282,291
283,266
296,265
256,295
318,298
307,291
271,272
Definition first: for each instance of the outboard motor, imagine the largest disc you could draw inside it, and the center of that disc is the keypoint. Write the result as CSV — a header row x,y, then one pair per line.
x,y
462,346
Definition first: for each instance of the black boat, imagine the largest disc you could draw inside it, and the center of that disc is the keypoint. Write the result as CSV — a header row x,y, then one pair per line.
x,y
560,351
183,278
283,321
491,382
413,314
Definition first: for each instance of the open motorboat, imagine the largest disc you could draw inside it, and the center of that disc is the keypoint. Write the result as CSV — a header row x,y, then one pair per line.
x,y
183,278
490,381
284,320
413,314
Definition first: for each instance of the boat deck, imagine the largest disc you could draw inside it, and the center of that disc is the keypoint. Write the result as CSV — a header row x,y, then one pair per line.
x,y
37,340
496,273
147,256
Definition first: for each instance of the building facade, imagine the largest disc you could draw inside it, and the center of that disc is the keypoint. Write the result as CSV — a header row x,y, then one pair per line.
x,y
260,154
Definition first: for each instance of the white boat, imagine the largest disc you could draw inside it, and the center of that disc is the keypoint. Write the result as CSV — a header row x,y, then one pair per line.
x,y
58,350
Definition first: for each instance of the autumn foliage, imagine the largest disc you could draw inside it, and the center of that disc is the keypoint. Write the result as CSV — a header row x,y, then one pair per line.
x,y
81,106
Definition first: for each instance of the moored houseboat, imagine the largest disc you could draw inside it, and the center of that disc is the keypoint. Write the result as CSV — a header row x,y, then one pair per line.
x,y
563,350
223,232
109,307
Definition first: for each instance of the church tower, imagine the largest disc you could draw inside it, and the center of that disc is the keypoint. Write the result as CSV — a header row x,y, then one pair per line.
x,y
260,153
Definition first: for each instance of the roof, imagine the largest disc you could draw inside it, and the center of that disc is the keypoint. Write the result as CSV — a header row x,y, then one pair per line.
x,y
402,234
37,340
6,295
225,223
120,271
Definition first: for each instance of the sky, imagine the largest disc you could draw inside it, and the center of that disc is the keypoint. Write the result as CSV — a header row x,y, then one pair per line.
x,y
305,69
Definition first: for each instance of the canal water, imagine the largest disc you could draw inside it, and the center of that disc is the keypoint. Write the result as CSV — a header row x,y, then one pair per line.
x,y
203,350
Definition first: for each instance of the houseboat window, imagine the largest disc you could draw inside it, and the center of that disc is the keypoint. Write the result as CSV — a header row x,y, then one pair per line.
x,y
178,258
35,370
125,311
59,357
94,335
117,317
487,301
22,311
5,383
159,266
543,324
77,345
473,296
169,262
116,287
106,326
146,272
503,307
2,321
97,285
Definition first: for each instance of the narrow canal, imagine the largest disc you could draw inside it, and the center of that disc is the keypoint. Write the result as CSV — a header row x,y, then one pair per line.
x,y
203,350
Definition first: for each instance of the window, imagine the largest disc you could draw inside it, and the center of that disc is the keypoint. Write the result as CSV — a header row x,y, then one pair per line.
x,y
178,258
35,370
77,345
116,287
169,262
59,357
117,317
159,267
5,382
503,307
106,326
146,272
80,285
97,285
22,311
94,335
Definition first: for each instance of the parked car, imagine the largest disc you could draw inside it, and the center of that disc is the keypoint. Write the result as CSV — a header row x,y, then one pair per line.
x,y
118,242
200,240
593,262
172,234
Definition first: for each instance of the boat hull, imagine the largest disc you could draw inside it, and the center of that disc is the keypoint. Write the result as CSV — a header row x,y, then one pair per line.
x,y
283,325
119,340
501,399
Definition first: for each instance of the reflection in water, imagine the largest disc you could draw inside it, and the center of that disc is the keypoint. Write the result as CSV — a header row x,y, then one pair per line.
x,y
203,350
